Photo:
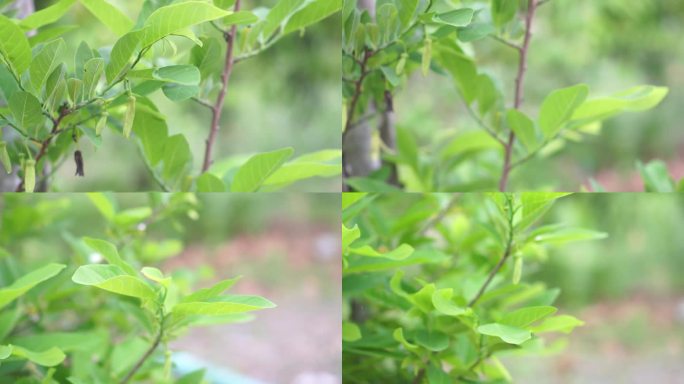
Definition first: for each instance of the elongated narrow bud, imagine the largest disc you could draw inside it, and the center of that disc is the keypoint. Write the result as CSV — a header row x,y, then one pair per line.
x,y
427,56
401,64
78,158
517,269
102,123
130,115
4,157
30,175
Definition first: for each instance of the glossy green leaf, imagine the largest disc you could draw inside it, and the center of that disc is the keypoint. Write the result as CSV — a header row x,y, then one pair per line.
x,y
47,358
442,300
456,18
278,14
313,12
240,18
559,106
113,279
222,305
507,333
398,335
401,252
26,110
47,15
28,281
92,72
179,74
638,98
14,47
252,175
349,235
434,341
44,62
523,127
475,31
109,15
503,11
177,157
109,252
562,323
213,291
207,182
171,18
524,317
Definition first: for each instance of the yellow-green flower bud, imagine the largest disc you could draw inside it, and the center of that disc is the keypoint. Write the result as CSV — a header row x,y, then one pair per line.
x,y
427,56
129,116
4,157
101,123
30,175
401,64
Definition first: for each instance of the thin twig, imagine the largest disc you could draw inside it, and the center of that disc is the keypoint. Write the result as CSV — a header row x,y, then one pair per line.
x,y
217,109
504,257
519,86
203,103
440,216
506,42
147,354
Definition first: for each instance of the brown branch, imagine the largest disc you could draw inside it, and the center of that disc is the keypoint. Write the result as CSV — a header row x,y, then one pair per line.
x,y
217,108
519,87
358,87
63,112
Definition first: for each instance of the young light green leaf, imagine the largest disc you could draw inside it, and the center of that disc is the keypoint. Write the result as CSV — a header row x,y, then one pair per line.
x,y
113,279
443,303
5,351
434,341
523,127
313,12
350,332
155,275
559,106
103,204
207,182
121,54
47,15
28,281
507,333
503,11
26,110
349,235
48,358
568,235
44,62
252,175
109,15
456,18
638,98
109,252
240,18
401,252
398,335
524,317
14,47
222,305
92,71
277,15
177,157
562,323
213,291
171,18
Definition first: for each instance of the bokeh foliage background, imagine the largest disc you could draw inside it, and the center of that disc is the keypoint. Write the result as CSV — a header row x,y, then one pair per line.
x,y
610,45
286,96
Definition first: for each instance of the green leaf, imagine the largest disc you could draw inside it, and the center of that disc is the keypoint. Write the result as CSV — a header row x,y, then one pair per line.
x,y
92,72
208,57
559,106
47,15
435,375
567,235
44,62
407,8
103,204
240,18
523,127
5,351
121,54
443,303
210,183
535,204
109,15
350,331
155,275
177,92
26,110
14,47
313,12
524,317
213,291
434,341
28,281
48,358
349,235
456,18
194,377
223,305
471,141
656,177
150,127
507,333
179,74
562,323
503,11
398,335
177,157
87,341
638,98
475,31
325,163
109,252
171,18
251,176
401,252
132,216
277,15
113,279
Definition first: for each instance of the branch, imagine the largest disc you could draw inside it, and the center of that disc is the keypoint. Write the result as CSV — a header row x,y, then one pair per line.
x,y
440,216
147,354
519,85
419,378
506,42
504,257
217,108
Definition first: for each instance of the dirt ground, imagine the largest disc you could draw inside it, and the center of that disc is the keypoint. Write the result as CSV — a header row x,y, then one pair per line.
x,y
299,342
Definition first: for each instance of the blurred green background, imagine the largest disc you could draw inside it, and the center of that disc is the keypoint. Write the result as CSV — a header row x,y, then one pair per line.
x,y
610,45
287,96
628,288
286,247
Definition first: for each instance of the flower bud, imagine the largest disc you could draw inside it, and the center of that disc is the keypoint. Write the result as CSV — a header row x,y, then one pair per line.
x,y
427,56
517,269
4,157
30,175
401,64
101,123
129,116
